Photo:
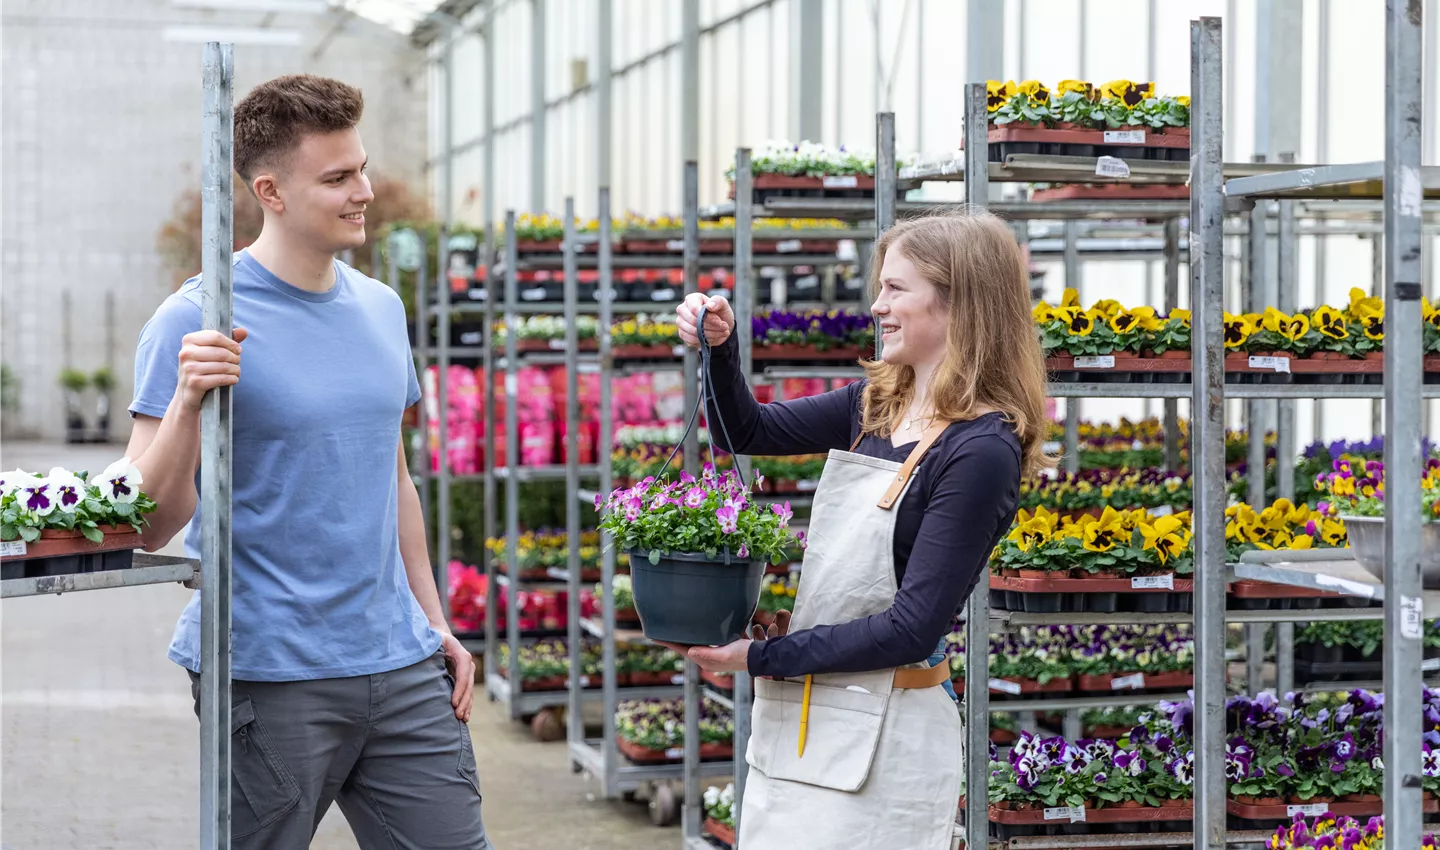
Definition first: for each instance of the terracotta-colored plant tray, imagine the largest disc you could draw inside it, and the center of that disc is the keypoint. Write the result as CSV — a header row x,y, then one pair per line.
x,y
1173,137
644,352
1124,362
803,352
538,246
1253,589
1313,365
56,542
1432,363
1279,811
1102,682
1065,584
1002,737
653,678
526,346
784,181
1027,686
723,681
806,246
716,829
667,246
1109,814
1108,733
645,755
1111,192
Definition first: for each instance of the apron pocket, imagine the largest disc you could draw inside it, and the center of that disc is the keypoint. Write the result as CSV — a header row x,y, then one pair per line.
x,y
842,735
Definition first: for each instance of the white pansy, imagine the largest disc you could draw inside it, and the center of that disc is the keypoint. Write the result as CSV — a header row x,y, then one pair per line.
x,y
69,490
36,496
12,479
712,796
119,483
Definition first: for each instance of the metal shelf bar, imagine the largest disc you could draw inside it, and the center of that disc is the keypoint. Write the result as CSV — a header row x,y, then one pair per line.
x,y
153,570
706,261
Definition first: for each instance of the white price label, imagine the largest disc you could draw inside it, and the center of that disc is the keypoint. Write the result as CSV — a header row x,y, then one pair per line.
x,y
806,486
1134,680
478,295
1005,686
675,753
1074,814
1124,137
1276,364
1163,510
589,368
1165,582
512,386
557,345
536,293
666,294
472,337
789,246
12,548
584,681
1306,809
678,351
675,245
1430,665
1109,166
847,181
677,679
1104,361
1410,610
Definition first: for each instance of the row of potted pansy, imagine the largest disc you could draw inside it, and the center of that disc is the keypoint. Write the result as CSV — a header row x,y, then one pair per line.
x,y
1090,657
835,332
545,665
539,550
655,728
1329,831
641,451
64,503
1091,490
1108,327
1139,444
1081,105
1356,489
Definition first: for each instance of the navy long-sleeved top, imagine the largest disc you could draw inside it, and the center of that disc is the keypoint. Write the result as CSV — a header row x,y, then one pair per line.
x,y
961,500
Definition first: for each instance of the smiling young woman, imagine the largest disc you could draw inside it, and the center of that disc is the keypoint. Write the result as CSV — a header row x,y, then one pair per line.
x,y
856,740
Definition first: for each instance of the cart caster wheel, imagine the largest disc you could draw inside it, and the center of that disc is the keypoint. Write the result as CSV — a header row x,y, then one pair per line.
x,y
664,807
546,726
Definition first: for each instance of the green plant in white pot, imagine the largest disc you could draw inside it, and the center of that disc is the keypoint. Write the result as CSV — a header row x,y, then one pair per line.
x,y
1356,491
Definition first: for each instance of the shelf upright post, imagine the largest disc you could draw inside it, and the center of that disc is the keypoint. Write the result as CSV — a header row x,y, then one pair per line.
x,y
512,468
1255,409
1403,380
1207,432
609,697
1172,301
575,722
423,332
442,349
977,608
1072,405
487,337
216,460
744,307
691,813
885,191
1377,288
1288,286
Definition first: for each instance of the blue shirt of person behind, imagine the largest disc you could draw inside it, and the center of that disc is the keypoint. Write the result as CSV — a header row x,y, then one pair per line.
x,y
319,586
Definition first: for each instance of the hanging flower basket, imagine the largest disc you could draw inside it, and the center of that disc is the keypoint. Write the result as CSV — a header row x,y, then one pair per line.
x,y
698,550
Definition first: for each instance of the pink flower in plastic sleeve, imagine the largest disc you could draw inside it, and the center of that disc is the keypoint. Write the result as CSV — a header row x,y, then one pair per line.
x,y
729,520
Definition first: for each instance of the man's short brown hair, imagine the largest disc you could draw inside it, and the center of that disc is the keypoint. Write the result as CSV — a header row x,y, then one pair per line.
x,y
274,116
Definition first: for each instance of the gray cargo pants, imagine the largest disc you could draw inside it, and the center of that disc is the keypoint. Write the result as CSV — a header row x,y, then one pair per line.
x,y
387,747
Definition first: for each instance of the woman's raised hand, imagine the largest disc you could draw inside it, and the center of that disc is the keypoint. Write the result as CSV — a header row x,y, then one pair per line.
x,y
719,319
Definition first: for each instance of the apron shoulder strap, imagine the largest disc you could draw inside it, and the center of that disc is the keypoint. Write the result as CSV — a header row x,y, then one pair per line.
x,y
892,493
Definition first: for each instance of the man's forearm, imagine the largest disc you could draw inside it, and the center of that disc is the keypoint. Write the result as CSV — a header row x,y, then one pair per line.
x,y
416,555
167,467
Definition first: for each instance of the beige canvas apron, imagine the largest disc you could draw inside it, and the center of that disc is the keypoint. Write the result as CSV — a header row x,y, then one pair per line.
x,y
882,764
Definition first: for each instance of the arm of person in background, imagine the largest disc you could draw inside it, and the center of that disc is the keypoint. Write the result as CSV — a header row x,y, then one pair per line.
x,y
416,554
800,426
175,366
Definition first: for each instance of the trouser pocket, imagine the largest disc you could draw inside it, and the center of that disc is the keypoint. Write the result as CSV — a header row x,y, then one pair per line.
x,y
262,787
467,767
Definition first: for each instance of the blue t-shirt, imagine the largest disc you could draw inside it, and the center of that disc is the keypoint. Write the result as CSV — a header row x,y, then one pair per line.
x,y
319,587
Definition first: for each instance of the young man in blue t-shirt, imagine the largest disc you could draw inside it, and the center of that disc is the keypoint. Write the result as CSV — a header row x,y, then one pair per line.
x,y
348,685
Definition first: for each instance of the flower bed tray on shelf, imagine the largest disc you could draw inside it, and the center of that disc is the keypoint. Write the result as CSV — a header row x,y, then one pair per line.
x,y
1124,813
1115,682
654,678
646,352
1281,812
719,831
645,755
1014,686
804,352
530,346
1254,595
720,681
1097,595
1110,192
764,186
59,552
1130,143
675,246
795,246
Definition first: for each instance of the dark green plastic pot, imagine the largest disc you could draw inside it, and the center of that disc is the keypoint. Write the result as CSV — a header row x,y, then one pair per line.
x,y
695,600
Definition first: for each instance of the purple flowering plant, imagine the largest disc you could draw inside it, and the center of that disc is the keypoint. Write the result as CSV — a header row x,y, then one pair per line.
x,y
821,329
710,514
1053,771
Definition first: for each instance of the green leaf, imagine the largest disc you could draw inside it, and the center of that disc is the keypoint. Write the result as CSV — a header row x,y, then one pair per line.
x,y
93,534
8,531
29,534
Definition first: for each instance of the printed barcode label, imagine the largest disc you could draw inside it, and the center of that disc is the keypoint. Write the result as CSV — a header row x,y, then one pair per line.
x,y
1165,582
847,181
1109,166
677,679
1277,364
1430,665
665,294
675,245
806,486
675,753
1005,686
789,246
1410,628
1104,361
557,344
1124,137
1134,680
12,548
1074,814
1306,809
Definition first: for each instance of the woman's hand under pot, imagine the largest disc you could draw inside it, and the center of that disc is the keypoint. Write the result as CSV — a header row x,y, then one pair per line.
x,y
732,657
719,319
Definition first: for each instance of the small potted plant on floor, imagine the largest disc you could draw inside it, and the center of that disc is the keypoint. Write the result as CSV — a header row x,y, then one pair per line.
x,y
698,550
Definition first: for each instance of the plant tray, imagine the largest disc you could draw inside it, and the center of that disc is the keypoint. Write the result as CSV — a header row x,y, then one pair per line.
x,y
1108,733
646,352
1065,584
1111,192
723,681
675,246
528,346
719,831
1094,595
1106,682
832,186
1003,737
654,678
1027,686
1281,812
60,552
803,352
1109,814
795,246
644,755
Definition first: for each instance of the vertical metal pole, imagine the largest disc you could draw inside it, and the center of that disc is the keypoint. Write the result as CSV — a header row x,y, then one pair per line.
x,y
609,697
1172,300
809,37
1207,432
1322,154
512,467
217,197
423,331
442,480
487,356
977,608
539,149
575,723
1377,287
447,189
691,813
691,263
885,191
1255,420
744,308
1072,405
1288,290
1403,603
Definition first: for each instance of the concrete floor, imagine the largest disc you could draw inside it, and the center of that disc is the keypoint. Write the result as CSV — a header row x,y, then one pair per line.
x,y
100,743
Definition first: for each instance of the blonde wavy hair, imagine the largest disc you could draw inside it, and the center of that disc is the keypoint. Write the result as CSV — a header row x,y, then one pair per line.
x,y
992,356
